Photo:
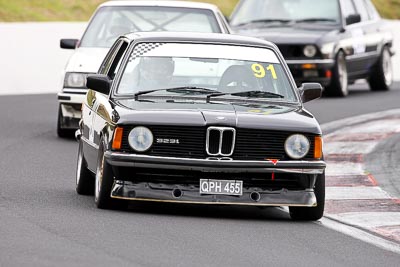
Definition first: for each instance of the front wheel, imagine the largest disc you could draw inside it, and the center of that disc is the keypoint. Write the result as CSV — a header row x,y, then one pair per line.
x,y
84,178
62,132
103,184
339,83
312,213
381,77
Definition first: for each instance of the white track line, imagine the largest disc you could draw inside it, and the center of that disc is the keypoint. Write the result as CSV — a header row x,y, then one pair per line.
x,y
391,125
351,193
342,169
349,147
368,219
360,225
361,235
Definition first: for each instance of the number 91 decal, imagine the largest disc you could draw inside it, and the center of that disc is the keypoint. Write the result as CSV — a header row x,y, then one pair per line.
x,y
260,71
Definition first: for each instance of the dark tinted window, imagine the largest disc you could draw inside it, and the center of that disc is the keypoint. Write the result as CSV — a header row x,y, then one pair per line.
x,y
362,9
105,66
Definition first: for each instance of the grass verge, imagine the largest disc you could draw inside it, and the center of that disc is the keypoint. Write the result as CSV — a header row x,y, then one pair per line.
x,y
81,10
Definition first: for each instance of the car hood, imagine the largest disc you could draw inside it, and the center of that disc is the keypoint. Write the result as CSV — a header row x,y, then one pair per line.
x,y
287,35
269,116
86,59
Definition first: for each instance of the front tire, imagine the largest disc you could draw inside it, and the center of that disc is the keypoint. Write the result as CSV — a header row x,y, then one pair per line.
x,y
339,84
381,77
61,132
312,213
103,184
84,178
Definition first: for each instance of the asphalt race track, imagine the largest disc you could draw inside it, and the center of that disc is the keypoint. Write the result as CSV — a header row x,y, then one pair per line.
x,y
43,222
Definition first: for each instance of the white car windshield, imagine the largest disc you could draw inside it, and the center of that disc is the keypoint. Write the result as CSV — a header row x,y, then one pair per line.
x,y
189,69
325,11
110,22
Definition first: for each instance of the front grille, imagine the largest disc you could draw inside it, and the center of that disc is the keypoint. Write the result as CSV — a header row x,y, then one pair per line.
x,y
249,144
263,144
290,51
213,142
220,141
191,141
228,139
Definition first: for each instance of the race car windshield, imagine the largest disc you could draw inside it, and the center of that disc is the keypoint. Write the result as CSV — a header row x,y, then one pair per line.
x,y
204,69
268,11
110,22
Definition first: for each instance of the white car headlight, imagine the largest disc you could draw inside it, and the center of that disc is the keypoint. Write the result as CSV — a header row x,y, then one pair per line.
x,y
140,138
75,80
310,50
297,146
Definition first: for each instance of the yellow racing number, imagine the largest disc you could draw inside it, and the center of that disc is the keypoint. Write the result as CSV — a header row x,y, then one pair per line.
x,y
271,68
259,70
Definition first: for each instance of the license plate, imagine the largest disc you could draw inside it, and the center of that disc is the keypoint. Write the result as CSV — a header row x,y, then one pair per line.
x,y
221,187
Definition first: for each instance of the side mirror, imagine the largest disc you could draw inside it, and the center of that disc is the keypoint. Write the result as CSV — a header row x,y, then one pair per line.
x,y
310,91
99,83
68,43
354,18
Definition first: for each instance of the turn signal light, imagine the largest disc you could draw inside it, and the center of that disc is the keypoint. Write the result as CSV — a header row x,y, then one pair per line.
x,y
117,140
318,147
308,66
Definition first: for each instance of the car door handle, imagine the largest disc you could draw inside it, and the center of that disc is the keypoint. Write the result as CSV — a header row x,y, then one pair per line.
x,y
93,101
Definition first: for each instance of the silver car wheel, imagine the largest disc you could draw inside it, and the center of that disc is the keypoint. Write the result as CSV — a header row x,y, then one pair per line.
x,y
99,178
79,165
342,72
387,67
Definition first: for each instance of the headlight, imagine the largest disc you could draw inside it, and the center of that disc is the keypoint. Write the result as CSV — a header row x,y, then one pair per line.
x,y
297,146
75,80
310,50
140,139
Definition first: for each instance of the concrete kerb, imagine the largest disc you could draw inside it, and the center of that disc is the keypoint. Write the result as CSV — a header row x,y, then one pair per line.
x,y
330,127
350,229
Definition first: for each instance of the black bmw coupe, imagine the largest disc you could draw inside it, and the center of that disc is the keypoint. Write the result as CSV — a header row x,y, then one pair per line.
x,y
203,119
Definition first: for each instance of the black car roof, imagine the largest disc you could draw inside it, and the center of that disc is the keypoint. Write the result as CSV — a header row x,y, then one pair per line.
x,y
197,38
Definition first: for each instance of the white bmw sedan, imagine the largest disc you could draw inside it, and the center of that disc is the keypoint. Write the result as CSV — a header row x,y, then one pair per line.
x,y
112,19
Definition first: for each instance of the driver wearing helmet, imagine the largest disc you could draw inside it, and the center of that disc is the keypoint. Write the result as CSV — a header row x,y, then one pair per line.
x,y
155,72
149,73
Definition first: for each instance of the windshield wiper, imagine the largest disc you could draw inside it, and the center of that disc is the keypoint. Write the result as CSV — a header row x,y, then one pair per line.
x,y
316,20
258,94
146,92
191,89
264,21
182,89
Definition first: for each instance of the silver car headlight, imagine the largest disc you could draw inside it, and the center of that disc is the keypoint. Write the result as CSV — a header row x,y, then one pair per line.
x,y
297,146
310,51
75,80
140,138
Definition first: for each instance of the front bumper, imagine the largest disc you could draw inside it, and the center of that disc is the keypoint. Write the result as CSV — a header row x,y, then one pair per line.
x,y
189,195
225,169
319,71
69,97
70,108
